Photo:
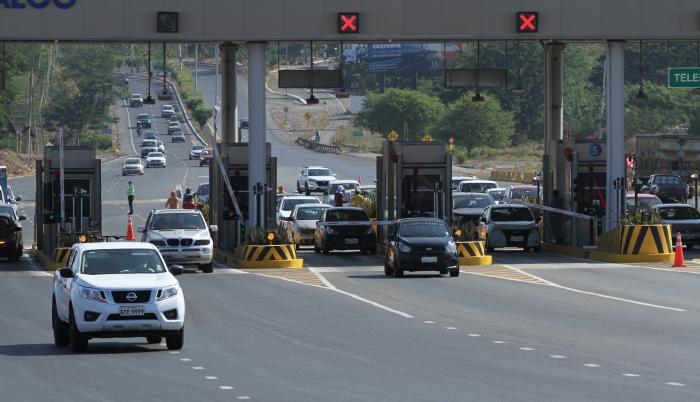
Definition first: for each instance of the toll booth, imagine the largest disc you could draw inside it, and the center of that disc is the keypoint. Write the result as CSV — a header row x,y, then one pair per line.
x,y
589,180
413,180
232,232
82,185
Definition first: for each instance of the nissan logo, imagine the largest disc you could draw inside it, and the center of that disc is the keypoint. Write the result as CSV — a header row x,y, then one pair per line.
x,y
429,249
131,296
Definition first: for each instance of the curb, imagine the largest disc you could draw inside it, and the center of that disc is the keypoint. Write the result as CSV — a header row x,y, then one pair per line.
x,y
47,263
481,260
607,257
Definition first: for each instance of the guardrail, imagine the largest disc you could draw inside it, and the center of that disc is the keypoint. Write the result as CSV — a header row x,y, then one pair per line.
x,y
328,149
348,148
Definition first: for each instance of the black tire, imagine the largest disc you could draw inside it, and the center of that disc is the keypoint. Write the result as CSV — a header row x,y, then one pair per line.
x,y
537,249
175,342
16,255
207,268
298,188
325,248
373,250
153,340
61,330
78,341
398,272
443,271
387,269
316,249
306,189
454,273
296,246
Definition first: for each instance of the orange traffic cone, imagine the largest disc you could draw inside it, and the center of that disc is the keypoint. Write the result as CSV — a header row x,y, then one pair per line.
x,y
130,230
679,261
359,180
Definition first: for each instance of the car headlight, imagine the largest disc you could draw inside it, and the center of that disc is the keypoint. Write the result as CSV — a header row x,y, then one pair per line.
x,y
202,242
312,181
166,293
330,230
451,247
404,248
369,230
92,294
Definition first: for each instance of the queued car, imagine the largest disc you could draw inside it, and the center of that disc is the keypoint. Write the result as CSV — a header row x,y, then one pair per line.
x,y
497,194
335,230
177,136
643,201
206,157
136,100
132,166
302,223
12,198
182,237
11,242
196,151
174,126
203,193
420,244
314,178
144,121
149,143
509,225
368,190
149,149
519,193
287,204
669,188
150,135
458,179
469,207
167,111
156,159
117,290
476,186
684,219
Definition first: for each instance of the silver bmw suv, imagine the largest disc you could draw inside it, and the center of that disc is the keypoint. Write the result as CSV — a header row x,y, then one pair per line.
x,y
182,237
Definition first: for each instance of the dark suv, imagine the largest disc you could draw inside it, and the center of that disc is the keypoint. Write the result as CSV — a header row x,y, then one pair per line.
x,y
420,244
336,231
11,244
144,121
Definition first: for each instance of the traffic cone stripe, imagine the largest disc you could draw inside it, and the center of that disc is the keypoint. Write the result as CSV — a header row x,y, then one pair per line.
x,y
130,230
679,261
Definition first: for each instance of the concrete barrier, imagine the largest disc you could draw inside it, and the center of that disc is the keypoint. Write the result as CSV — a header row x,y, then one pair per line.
x,y
473,253
274,256
53,262
512,175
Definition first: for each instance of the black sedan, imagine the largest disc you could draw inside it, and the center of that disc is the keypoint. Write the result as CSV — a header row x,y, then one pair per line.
x,y
11,244
336,231
420,244
683,219
144,121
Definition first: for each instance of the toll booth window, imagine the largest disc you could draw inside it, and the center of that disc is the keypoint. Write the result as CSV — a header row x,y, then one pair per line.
x,y
423,229
459,202
681,213
128,261
177,221
346,216
511,215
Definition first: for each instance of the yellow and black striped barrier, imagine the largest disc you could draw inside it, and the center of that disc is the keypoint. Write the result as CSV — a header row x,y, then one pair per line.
x,y
60,255
473,253
636,243
53,262
273,256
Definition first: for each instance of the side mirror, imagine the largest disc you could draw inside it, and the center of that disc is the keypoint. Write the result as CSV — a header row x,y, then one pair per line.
x,y
213,228
18,229
22,218
66,273
141,229
18,198
176,269
335,175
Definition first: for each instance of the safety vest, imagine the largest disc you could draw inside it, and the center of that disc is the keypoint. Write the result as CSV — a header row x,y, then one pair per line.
x,y
130,190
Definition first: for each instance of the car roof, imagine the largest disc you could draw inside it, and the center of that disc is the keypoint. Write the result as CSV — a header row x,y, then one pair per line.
x,y
464,177
467,193
503,206
176,211
660,206
409,220
640,195
345,209
298,196
115,245
300,206
478,181
344,181
316,167
495,189
523,187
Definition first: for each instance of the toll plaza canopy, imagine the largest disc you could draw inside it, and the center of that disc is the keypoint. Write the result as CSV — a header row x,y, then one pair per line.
x,y
347,20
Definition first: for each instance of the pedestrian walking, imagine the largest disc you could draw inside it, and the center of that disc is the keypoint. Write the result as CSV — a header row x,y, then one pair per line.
x,y
188,199
130,192
172,202
317,136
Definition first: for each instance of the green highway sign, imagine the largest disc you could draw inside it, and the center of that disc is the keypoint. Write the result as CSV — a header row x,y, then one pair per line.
x,y
684,77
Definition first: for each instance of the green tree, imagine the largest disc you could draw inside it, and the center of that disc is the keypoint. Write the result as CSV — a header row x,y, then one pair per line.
x,y
475,124
384,112
662,109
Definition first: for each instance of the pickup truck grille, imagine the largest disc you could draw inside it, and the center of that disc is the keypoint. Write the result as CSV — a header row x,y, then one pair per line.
x,y
142,296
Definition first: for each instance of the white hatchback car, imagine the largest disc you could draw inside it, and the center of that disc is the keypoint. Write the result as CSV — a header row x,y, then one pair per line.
x,y
302,223
288,203
117,290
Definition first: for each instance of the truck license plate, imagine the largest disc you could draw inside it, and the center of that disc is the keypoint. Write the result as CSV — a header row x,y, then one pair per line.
x,y
352,241
131,311
517,238
428,260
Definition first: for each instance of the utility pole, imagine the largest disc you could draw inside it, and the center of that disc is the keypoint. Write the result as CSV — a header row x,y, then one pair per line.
x,y
196,66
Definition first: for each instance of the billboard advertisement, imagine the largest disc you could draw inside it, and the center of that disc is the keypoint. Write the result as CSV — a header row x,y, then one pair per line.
x,y
406,57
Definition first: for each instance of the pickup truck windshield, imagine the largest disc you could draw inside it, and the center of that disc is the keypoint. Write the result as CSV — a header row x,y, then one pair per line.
x,y
122,261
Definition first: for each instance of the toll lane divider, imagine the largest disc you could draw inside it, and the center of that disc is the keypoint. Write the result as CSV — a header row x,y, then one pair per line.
x,y
473,253
57,259
268,256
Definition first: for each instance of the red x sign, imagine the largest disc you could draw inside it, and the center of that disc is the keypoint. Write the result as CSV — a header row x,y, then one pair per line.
x,y
526,21
348,22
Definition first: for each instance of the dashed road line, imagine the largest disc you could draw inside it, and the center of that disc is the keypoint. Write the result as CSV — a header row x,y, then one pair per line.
x,y
225,387
474,335
630,375
429,322
499,342
211,377
526,349
197,368
450,328
243,397
557,356
186,360
675,384
592,365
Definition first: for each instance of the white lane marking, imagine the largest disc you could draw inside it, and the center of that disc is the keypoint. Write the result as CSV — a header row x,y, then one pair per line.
x,y
243,397
592,365
429,322
557,356
499,342
671,270
322,278
211,377
474,335
197,368
175,352
203,177
225,387
585,292
675,384
450,328
131,132
186,360
631,375
526,349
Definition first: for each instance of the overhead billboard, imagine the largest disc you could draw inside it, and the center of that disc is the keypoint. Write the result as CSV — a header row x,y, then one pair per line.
x,y
405,57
